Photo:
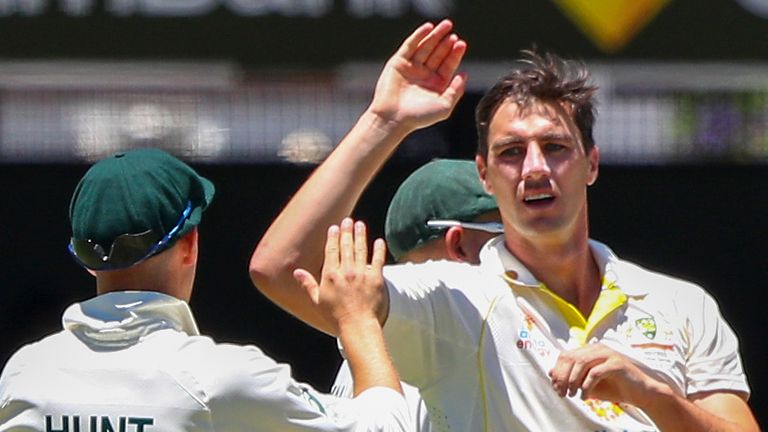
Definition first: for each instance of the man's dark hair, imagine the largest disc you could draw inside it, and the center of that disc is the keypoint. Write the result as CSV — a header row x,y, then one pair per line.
x,y
541,77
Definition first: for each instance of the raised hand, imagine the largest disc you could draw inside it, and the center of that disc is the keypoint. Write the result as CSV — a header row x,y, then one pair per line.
x,y
417,88
419,85
350,289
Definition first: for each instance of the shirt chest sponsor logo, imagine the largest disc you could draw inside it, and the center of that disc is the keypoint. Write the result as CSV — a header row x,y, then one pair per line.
x,y
526,340
77,423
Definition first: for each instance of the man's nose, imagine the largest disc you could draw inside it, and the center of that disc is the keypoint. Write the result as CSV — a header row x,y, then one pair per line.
x,y
535,164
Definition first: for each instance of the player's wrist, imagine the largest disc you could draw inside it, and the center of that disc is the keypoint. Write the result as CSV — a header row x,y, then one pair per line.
x,y
354,328
361,319
656,396
388,122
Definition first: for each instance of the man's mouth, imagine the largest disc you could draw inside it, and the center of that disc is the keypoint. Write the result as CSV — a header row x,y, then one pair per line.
x,y
538,198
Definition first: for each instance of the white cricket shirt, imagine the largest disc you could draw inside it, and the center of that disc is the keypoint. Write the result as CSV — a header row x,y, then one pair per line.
x,y
478,341
343,386
134,362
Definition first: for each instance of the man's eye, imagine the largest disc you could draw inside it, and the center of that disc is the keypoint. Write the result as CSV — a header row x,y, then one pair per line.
x,y
553,147
512,151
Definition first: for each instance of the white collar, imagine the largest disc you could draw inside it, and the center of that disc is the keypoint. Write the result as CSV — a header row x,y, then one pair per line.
x,y
121,318
495,258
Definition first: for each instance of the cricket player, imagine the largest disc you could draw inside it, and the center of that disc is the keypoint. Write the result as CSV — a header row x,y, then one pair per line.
x,y
552,331
440,212
132,359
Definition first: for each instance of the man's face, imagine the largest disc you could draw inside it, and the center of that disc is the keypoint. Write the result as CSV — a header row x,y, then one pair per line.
x,y
537,169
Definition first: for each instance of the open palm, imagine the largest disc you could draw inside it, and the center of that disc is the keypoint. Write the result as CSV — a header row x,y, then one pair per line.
x,y
419,85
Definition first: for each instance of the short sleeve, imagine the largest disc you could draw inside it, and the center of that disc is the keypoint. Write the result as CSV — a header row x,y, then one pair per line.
x,y
713,361
375,409
343,387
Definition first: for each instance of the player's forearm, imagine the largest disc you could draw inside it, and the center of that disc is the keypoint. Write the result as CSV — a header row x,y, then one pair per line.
x,y
366,352
297,237
672,413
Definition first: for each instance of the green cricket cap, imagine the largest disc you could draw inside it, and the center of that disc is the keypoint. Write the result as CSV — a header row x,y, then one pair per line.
x,y
136,191
440,189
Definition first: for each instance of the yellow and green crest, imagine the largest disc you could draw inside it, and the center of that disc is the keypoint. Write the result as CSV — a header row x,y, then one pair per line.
x,y
647,326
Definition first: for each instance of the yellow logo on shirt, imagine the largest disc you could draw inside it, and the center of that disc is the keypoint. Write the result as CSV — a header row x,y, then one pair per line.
x,y
647,326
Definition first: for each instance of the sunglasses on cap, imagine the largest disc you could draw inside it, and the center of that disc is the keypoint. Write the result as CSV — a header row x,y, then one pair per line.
x,y
489,227
126,250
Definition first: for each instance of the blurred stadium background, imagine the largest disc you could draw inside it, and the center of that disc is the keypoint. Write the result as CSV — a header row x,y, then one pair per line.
x,y
255,92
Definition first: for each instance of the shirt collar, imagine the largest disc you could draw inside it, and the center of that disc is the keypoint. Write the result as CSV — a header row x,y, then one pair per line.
x,y
121,318
495,258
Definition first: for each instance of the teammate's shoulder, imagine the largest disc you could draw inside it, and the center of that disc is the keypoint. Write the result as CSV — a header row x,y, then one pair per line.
x,y
206,347
48,343
203,354
232,371
30,356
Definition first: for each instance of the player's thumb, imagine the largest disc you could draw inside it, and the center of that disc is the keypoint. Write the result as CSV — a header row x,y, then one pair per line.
x,y
309,284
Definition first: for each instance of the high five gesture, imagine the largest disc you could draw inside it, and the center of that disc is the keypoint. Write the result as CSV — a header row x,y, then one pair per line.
x,y
419,85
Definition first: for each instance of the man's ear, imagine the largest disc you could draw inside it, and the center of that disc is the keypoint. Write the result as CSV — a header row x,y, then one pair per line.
x,y
593,158
188,247
482,171
453,244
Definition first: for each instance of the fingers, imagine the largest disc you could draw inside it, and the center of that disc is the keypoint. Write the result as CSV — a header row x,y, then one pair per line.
x,y
361,245
331,248
420,84
347,287
439,53
352,246
436,48
346,243
571,368
601,372
431,41
575,380
450,62
309,284
411,44
346,248
379,255
593,378
559,375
